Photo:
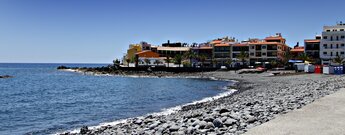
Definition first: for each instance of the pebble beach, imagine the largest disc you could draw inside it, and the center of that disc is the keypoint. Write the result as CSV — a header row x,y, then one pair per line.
x,y
259,98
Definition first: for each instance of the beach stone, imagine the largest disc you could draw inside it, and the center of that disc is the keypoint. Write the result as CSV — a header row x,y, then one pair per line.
x,y
202,124
230,122
223,110
138,122
217,123
174,128
209,125
154,125
209,119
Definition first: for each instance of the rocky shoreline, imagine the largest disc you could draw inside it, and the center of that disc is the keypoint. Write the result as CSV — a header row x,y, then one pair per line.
x,y
259,99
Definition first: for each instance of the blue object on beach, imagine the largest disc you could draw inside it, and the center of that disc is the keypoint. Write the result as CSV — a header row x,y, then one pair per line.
x,y
295,61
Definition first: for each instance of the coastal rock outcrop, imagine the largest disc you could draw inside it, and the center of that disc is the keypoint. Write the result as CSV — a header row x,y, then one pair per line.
x,y
6,76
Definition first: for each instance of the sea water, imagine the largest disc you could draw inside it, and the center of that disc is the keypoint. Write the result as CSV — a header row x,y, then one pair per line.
x,y
42,100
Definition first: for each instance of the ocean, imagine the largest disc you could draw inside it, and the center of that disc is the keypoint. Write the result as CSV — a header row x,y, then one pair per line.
x,y
42,100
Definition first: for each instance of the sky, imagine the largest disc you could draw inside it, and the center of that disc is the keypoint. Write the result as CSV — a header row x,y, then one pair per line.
x,y
98,31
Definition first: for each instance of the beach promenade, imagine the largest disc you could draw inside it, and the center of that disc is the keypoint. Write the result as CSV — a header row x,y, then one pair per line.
x,y
325,116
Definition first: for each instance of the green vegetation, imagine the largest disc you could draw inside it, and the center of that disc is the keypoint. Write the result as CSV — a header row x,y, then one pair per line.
x,y
178,60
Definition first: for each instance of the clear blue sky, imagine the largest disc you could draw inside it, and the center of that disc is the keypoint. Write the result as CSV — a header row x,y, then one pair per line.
x,y
97,31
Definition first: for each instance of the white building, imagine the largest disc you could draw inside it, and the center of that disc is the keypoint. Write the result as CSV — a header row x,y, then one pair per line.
x,y
332,43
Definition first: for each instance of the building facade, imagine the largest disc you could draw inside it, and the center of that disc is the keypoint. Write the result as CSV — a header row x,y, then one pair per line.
x,y
312,48
270,49
332,43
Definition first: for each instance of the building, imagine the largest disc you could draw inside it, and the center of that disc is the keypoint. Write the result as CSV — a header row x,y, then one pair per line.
x,y
272,48
237,49
312,48
131,51
149,58
205,50
222,51
297,51
332,43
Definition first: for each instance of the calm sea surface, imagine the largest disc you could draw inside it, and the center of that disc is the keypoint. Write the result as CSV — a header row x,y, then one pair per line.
x,y
42,100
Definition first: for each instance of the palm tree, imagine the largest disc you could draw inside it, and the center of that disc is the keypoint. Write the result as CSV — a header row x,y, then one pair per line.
x,y
229,62
168,60
242,57
178,59
202,58
338,60
147,61
189,55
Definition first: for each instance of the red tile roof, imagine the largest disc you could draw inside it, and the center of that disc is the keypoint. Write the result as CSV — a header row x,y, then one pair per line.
x,y
312,40
222,45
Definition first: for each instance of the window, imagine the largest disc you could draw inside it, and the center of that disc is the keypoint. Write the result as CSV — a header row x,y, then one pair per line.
x,y
337,38
341,29
337,53
331,53
331,38
252,47
263,47
337,45
325,53
341,53
342,37
342,45
331,46
251,54
324,37
325,46
264,54
328,30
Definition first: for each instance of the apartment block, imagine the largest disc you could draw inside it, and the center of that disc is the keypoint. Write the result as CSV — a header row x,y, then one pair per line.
x,y
272,48
332,43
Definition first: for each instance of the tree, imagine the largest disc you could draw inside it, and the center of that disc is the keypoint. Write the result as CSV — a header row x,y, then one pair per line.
x,y
304,57
229,62
202,58
147,61
178,59
189,55
168,60
286,57
214,62
338,60
128,60
242,57
274,63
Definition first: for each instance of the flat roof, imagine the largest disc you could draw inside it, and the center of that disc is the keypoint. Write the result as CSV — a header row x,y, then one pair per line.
x,y
173,48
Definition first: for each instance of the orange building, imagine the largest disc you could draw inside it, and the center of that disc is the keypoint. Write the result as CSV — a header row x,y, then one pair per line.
x,y
272,48
296,51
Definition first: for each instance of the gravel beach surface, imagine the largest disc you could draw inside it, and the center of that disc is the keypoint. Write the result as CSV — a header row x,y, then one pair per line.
x,y
260,98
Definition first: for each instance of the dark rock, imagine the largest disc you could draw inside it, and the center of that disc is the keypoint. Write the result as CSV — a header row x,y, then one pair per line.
x,y
223,110
174,128
6,76
217,123
84,130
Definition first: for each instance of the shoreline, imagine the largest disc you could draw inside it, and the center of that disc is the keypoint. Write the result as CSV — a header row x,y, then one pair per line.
x,y
259,99
228,91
